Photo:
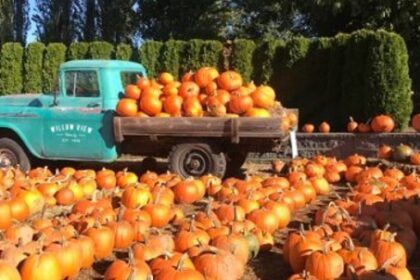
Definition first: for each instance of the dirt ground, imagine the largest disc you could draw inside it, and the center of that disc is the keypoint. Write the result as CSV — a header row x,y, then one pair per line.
x,y
268,265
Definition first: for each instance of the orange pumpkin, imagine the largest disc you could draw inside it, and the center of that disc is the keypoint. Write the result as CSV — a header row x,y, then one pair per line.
x,y
132,91
127,107
192,107
325,265
173,105
308,128
150,105
41,266
205,76
324,127
385,152
8,272
352,125
415,122
415,158
258,113
229,80
382,123
240,104
166,78
264,97
171,89
189,89
364,127
143,83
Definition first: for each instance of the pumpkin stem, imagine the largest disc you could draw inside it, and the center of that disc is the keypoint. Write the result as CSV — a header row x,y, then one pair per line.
x,y
301,228
389,262
209,206
192,226
181,261
350,243
130,256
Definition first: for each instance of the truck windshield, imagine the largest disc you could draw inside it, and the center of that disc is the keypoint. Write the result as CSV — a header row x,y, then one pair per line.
x,y
128,78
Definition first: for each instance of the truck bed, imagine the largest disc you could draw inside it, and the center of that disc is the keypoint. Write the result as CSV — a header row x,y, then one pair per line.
x,y
232,128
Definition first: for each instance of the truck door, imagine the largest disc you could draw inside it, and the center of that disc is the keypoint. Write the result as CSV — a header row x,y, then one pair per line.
x,y
75,127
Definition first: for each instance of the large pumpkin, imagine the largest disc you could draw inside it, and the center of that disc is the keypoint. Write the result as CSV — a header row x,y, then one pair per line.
x,y
264,97
382,123
240,104
189,89
173,105
132,91
41,266
127,107
205,75
230,80
150,105
219,264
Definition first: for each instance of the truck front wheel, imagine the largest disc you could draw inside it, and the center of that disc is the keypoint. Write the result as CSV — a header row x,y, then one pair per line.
x,y
12,154
196,159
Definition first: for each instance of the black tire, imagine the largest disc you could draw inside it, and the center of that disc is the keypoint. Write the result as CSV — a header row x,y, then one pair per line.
x,y
12,154
196,160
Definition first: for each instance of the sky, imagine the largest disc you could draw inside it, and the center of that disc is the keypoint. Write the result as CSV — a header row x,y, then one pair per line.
x,y
31,36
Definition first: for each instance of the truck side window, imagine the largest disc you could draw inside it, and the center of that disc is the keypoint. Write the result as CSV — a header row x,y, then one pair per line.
x,y
128,78
81,84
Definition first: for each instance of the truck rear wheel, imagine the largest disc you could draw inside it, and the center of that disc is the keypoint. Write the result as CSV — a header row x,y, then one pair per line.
x,y
196,159
12,154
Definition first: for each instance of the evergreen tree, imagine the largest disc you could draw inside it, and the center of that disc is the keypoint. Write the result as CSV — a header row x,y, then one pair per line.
x,y
59,21
116,20
14,22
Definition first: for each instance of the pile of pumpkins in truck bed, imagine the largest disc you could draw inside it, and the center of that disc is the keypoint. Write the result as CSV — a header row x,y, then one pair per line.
x,y
203,93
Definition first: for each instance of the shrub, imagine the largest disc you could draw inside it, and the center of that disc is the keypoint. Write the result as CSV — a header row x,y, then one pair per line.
x,y
149,54
264,56
78,50
388,85
170,57
242,55
191,58
124,52
11,71
33,64
211,54
55,55
101,50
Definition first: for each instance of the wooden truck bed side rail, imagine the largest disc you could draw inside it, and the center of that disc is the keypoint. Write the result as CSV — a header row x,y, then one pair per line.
x,y
233,128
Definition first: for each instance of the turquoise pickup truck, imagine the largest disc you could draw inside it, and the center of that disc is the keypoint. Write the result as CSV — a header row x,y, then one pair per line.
x,y
77,122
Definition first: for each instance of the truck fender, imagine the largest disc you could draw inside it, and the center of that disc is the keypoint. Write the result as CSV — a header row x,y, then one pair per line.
x,y
9,131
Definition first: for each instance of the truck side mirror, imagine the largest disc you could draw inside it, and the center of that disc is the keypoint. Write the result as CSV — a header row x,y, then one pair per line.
x,y
55,100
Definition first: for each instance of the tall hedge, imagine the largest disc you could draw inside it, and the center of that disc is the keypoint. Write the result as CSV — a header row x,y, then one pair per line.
x,y
170,57
211,54
33,64
11,71
242,58
191,58
388,86
124,52
78,50
264,55
335,74
101,50
359,74
149,53
289,67
55,55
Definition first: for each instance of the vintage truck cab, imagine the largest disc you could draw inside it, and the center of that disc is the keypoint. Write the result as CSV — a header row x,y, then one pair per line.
x,y
77,122
74,122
